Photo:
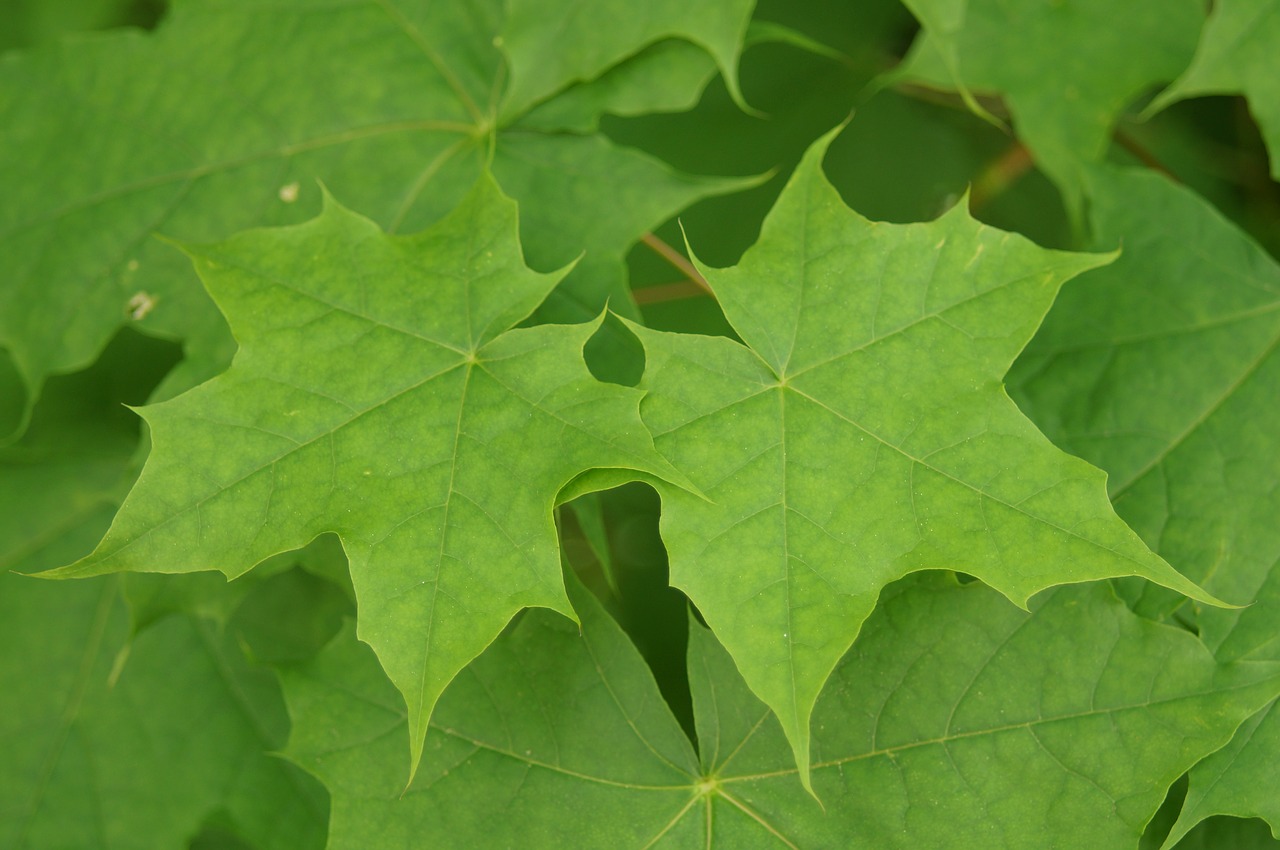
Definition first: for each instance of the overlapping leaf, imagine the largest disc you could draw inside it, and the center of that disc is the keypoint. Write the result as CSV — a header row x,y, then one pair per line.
x,y
1235,780
958,720
1065,69
1164,369
143,755
378,394
226,117
862,433
1237,53
561,730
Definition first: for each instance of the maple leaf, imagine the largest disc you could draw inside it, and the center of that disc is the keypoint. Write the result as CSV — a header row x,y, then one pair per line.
x,y
956,714
225,117
116,742
862,433
378,393
1066,70
1237,54
1164,370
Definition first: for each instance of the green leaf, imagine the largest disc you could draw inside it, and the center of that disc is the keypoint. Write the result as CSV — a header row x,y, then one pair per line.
x,y
1237,53
137,756
1066,69
378,394
226,118
290,617
208,595
234,113
802,93
551,43
956,714
960,715
605,196
1164,369
862,433
1236,779
565,729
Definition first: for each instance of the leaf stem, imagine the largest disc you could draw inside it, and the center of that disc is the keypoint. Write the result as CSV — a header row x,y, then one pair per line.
x,y
678,260
999,174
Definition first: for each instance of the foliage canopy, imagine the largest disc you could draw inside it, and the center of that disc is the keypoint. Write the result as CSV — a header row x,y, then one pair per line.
x,y
902,518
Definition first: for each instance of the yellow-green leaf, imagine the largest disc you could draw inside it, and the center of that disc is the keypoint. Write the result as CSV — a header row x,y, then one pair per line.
x,y
862,432
379,393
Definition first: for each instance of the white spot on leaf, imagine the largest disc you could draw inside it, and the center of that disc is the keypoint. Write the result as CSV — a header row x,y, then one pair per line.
x,y
140,305
289,193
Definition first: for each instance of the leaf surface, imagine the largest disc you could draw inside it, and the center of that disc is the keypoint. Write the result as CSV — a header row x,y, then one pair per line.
x,y
1164,369
225,119
1237,54
564,731
551,43
862,433
379,394
972,723
967,721
137,751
